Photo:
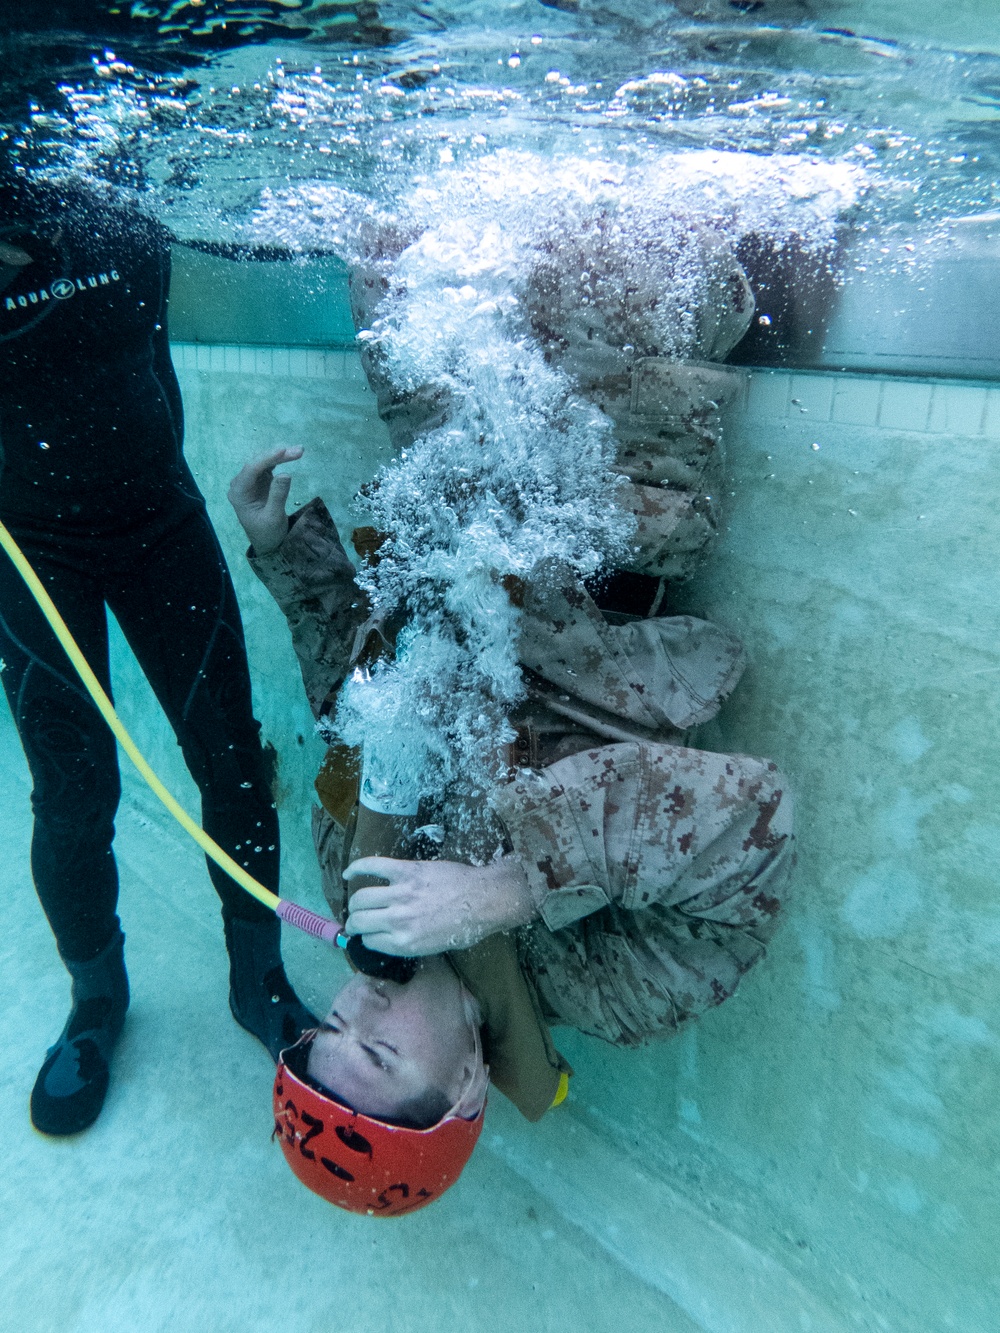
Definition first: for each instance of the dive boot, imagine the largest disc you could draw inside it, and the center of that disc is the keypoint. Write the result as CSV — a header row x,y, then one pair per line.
x,y
260,995
73,1082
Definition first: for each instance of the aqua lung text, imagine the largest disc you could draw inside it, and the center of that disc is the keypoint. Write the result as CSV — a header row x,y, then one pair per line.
x,y
61,289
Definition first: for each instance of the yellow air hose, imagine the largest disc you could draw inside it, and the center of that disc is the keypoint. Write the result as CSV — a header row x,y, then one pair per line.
x,y
295,915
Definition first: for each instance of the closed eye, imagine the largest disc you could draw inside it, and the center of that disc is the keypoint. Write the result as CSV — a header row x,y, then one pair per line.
x,y
373,1056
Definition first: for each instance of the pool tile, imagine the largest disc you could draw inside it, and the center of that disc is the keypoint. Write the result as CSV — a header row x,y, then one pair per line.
x,y
905,405
768,394
856,400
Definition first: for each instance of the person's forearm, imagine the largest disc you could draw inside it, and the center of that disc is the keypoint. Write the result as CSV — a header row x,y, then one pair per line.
x,y
508,893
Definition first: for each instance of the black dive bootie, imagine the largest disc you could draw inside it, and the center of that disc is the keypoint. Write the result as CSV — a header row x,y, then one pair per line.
x,y
260,995
73,1082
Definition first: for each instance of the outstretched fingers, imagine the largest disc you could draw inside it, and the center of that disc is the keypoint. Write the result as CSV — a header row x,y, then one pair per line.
x,y
253,481
287,453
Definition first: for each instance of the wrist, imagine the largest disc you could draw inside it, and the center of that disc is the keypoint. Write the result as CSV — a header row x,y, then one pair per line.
x,y
266,543
511,893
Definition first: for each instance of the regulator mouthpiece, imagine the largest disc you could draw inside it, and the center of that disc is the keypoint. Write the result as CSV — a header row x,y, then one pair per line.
x,y
384,966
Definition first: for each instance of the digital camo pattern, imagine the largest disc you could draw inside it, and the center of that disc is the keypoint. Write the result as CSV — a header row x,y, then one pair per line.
x,y
661,674
658,871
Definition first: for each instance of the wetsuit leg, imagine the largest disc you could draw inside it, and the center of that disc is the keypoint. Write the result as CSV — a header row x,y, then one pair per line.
x,y
69,748
176,605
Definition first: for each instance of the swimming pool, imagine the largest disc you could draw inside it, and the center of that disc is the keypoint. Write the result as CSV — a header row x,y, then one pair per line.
x,y
814,1155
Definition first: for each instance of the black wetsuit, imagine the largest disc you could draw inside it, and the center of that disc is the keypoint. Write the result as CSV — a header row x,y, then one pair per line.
x,y
95,488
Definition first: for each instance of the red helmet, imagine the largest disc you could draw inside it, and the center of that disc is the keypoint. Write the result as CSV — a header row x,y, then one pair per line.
x,y
361,1164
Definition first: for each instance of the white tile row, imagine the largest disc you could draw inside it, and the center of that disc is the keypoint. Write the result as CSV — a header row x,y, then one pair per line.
x,y
949,407
301,362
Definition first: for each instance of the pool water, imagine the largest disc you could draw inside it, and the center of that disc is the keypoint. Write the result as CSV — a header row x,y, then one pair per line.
x,y
818,1153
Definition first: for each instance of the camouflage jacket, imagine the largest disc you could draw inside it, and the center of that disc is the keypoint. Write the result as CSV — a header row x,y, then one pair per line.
x,y
657,869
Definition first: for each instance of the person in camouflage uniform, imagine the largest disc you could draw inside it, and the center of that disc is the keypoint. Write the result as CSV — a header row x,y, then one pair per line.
x,y
647,875
655,870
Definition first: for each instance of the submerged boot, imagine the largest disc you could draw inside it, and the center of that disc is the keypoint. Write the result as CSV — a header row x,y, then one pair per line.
x,y
260,995
73,1082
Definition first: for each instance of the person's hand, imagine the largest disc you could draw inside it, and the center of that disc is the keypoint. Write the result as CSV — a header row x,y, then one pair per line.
x,y
259,497
428,907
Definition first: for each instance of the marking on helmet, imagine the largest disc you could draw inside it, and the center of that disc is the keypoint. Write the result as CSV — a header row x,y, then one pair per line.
x,y
315,1127
385,1202
283,1123
418,1201
350,1138
335,1170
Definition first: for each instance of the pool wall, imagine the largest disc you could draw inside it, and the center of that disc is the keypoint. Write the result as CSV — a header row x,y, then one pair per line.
x,y
818,1154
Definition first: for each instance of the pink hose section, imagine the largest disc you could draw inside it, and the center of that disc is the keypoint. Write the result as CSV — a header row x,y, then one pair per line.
x,y
313,924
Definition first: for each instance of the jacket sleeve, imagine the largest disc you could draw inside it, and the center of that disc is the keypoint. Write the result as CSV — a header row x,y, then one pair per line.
x,y
638,824
662,674
658,871
312,580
